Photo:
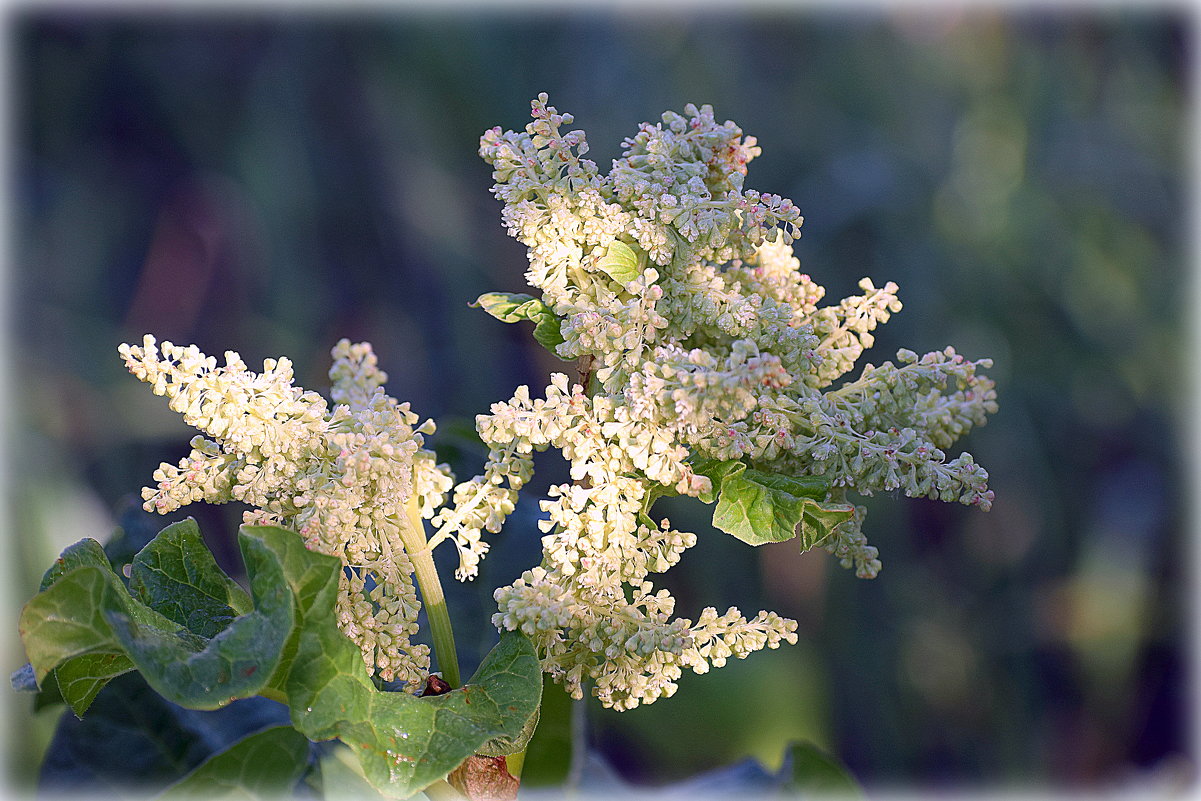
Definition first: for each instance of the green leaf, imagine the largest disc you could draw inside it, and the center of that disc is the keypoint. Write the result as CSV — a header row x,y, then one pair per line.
x,y
505,745
405,743
176,575
548,332
68,618
86,622
82,678
820,520
621,262
813,487
717,471
133,741
758,507
266,764
811,771
756,513
88,625
509,307
402,742
85,553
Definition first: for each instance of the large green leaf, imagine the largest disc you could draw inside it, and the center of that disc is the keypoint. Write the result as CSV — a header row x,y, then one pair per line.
x,y
87,626
266,764
758,507
86,622
405,743
133,741
510,307
176,575
67,619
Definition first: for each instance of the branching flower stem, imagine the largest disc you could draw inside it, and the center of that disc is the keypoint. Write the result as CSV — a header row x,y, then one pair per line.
x,y
413,538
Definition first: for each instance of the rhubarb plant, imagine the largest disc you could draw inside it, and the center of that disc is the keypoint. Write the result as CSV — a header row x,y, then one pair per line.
x,y
705,366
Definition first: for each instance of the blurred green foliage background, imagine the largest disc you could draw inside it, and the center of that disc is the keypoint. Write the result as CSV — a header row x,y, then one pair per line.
x,y
271,182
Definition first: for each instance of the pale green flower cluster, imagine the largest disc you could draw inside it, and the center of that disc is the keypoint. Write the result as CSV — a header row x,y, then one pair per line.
x,y
698,338
341,477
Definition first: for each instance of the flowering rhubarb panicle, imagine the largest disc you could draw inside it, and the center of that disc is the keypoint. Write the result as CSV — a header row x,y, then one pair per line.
x,y
342,476
708,369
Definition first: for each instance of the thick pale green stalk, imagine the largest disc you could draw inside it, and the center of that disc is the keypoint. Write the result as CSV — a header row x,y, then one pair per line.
x,y
413,537
442,791
514,763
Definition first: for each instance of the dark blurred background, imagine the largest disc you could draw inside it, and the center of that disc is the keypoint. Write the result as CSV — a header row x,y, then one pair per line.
x,y
270,183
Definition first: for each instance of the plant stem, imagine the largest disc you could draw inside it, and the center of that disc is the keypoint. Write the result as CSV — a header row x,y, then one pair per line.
x,y
584,367
413,538
442,791
514,763
579,744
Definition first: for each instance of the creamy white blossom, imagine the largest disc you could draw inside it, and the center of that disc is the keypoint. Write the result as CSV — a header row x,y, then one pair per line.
x,y
698,342
339,476
716,349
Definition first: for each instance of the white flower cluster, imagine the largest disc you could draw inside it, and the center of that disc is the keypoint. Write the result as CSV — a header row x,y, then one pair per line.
x,y
341,477
706,342
589,606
